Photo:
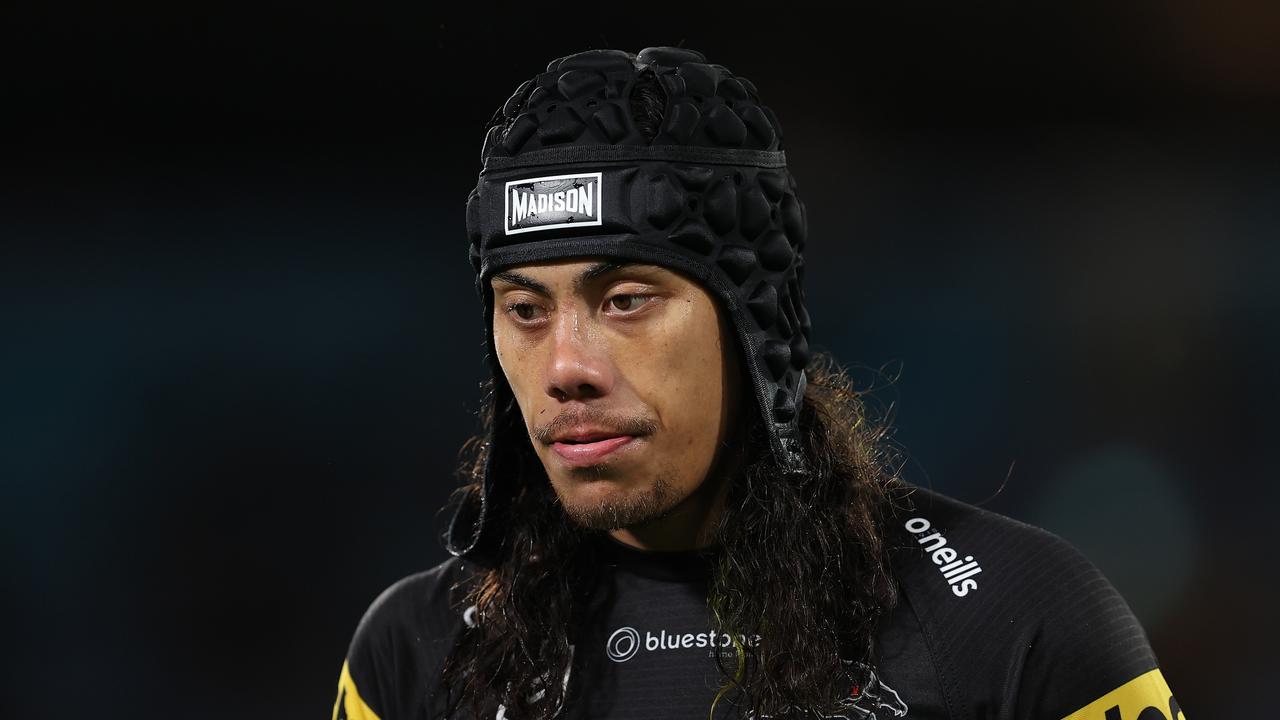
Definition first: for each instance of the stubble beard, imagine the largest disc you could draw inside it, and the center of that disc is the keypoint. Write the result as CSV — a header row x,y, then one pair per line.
x,y
623,509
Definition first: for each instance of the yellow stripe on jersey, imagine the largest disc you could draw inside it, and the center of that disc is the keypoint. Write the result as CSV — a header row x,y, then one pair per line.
x,y
1128,701
349,705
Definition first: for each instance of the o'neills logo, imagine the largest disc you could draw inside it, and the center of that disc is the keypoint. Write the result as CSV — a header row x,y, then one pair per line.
x,y
958,572
555,201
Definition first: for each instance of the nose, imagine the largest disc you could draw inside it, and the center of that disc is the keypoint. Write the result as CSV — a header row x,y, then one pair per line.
x,y
579,366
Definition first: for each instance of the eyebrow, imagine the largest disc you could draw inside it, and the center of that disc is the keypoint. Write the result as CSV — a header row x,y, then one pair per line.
x,y
579,283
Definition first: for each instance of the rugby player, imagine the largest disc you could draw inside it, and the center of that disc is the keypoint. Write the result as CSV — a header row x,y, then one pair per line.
x,y
676,509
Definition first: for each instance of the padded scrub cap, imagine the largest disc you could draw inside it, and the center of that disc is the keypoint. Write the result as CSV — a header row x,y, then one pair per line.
x,y
568,173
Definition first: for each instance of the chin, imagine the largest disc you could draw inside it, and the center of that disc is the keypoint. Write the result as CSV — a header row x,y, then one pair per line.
x,y
585,487
606,503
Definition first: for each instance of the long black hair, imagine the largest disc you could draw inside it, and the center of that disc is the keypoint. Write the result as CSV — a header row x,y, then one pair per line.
x,y
802,563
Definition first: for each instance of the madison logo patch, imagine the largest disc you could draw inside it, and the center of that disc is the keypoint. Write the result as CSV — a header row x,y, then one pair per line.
x,y
554,201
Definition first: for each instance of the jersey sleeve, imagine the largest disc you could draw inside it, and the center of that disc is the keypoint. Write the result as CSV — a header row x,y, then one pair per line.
x,y
1089,657
350,704
398,649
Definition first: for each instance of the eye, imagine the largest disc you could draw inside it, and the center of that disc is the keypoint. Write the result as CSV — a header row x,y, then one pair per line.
x,y
628,303
523,311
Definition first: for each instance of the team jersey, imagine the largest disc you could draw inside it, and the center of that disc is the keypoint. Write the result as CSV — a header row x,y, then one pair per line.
x,y
995,619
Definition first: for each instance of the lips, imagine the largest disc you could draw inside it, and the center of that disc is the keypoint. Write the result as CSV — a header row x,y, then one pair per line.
x,y
590,449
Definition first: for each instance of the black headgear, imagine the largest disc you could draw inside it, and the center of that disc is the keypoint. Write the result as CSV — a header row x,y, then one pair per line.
x,y
568,173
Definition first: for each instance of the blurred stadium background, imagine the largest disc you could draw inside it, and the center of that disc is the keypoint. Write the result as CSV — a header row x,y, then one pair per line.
x,y
241,347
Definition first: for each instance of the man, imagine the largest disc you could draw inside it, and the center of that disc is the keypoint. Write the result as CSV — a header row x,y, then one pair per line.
x,y
675,511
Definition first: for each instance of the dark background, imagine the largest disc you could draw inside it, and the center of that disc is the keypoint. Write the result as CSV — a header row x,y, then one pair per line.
x,y
241,347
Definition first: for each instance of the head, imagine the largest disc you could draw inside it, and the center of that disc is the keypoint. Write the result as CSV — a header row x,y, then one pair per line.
x,y
659,159
638,247
629,383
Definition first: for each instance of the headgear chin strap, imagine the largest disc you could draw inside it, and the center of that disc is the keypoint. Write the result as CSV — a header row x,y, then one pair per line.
x,y
710,196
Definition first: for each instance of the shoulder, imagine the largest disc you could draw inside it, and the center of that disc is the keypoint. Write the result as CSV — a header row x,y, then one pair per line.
x,y
400,643
936,539
1016,613
411,607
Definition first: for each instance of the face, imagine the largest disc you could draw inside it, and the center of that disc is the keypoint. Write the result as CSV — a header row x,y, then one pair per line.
x,y
627,385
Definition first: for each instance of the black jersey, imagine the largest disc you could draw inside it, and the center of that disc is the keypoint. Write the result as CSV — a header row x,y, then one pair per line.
x,y
996,619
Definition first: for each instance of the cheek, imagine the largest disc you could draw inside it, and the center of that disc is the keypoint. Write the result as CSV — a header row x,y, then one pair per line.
x,y
685,372
516,361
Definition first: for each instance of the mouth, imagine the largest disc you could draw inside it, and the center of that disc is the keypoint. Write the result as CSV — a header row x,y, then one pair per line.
x,y
591,449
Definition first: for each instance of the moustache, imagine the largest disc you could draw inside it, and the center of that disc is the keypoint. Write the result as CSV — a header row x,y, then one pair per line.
x,y
597,419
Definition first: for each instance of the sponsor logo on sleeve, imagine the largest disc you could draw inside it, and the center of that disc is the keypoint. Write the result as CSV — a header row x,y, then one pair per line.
x,y
553,201
960,572
1146,697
